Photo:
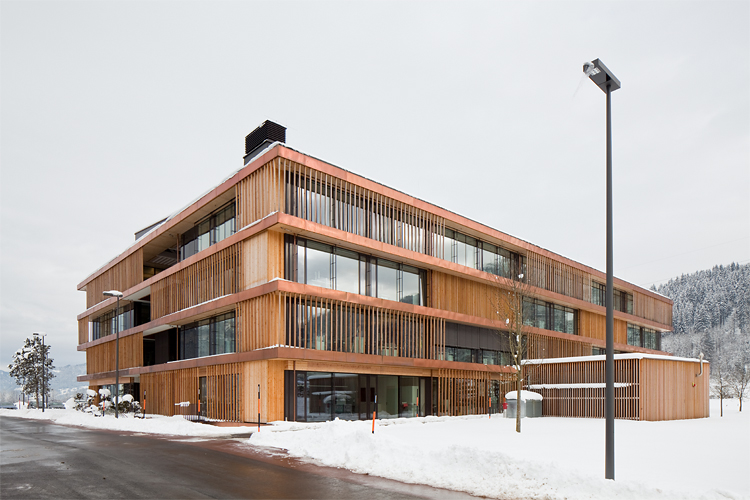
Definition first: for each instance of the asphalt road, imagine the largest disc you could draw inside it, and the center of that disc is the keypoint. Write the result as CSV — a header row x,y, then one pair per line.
x,y
42,460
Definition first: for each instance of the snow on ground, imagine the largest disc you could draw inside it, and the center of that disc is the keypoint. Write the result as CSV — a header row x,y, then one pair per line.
x,y
553,458
152,424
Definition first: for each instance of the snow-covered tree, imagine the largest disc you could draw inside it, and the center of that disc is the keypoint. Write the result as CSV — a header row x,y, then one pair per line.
x,y
29,371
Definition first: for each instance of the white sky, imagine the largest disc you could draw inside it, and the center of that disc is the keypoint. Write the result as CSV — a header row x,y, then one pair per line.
x,y
115,114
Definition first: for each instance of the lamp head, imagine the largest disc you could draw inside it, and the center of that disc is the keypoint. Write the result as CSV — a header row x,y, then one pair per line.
x,y
113,293
601,75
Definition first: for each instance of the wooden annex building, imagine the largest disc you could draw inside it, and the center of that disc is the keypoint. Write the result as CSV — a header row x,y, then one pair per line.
x,y
322,289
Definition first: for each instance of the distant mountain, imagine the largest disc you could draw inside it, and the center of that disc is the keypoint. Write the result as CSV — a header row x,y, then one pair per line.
x,y
64,384
710,307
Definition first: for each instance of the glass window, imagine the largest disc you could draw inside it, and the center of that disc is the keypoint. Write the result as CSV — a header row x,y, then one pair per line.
x,y
345,386
541,315
207,337
364,275
320,396
529,312
450,353
490,259
462,355
570,322
203,336
388,396
301,395
347,271
490,357
409,389
649,338
412,288
598,294
503,263
449,244
319,264
634,335
387,280
559,321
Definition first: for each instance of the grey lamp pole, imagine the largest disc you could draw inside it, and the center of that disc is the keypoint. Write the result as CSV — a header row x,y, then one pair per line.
x,y
605,80
44,368
115,293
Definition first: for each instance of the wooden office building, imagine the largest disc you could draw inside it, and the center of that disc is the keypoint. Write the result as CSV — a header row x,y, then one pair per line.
x,y
321,289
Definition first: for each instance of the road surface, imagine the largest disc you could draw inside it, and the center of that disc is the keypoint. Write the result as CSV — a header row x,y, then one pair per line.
x,y
43,460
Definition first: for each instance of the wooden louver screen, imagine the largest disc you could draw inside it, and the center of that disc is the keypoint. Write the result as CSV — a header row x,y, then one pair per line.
x,y
576,389
215,276
318,197
332,325
123,275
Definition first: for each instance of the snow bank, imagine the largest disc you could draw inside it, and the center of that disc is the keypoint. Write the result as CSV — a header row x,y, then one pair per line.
x,y
152,424
553,458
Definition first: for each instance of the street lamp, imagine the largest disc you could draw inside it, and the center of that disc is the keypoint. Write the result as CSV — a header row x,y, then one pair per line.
x,y
605,80
44,368
115,293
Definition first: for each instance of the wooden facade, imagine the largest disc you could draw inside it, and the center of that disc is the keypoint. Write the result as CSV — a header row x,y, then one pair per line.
x,y
283,192
646,387
121,276
101,358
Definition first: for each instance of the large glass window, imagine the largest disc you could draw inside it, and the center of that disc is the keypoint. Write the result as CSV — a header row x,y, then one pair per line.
x,y
209,231
318,268
634,335
412,286
320,396
345,388
548,316
621,301
347,270
640,336
207,337
130,315
467,251
318,264
387,280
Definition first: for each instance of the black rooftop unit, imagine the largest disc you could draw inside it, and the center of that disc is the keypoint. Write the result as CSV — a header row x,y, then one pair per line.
x,y
268,132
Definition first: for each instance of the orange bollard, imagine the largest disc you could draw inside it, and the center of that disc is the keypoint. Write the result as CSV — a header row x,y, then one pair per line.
x,y
258,407
373,413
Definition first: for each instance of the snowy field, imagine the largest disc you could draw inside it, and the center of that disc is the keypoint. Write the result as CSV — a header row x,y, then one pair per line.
x,y
553,458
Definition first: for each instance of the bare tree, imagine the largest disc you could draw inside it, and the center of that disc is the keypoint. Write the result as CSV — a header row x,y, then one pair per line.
x,y
508,301
720,370
739,367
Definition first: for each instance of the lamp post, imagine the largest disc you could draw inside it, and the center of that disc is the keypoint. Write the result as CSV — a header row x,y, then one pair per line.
x,y
118,295
605,80
44,368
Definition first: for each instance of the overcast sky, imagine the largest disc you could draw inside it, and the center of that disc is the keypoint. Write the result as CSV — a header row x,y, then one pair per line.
x,y
115,114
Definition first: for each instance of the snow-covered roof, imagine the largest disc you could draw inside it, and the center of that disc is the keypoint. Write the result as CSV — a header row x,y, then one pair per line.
x,y
602,357
525,396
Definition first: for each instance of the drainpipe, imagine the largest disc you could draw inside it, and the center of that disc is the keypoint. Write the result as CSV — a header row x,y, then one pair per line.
x,y
701,373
